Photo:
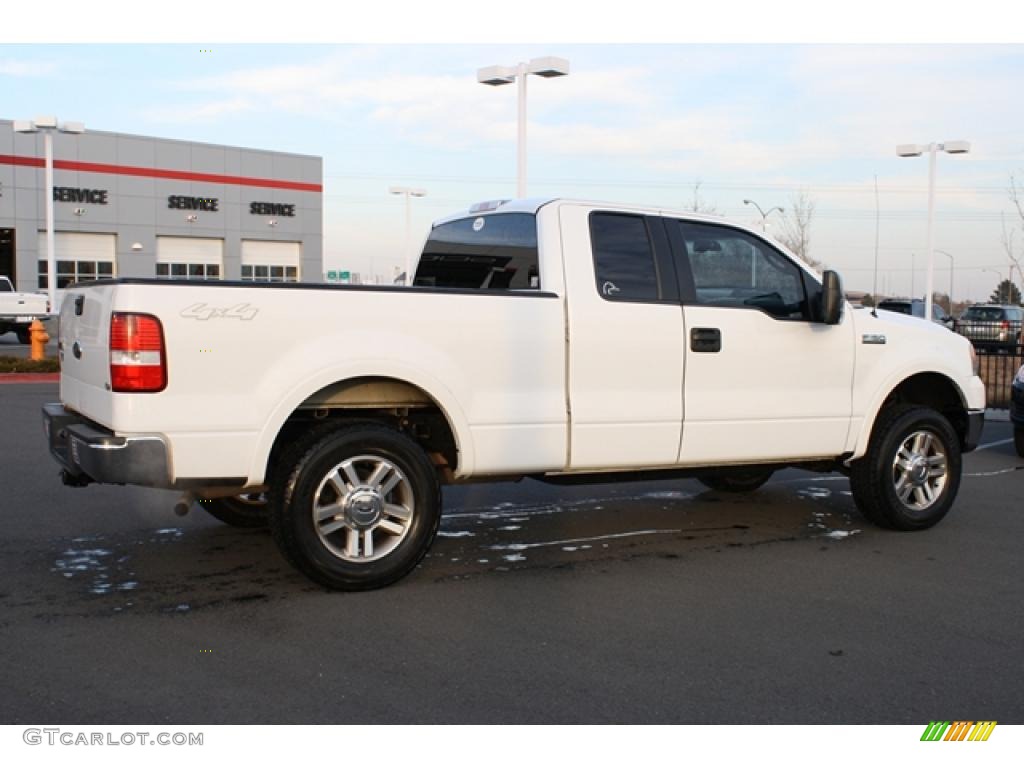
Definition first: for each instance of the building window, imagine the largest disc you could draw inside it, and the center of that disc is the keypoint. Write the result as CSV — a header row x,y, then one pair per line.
x,y
72,271
269,273
183,271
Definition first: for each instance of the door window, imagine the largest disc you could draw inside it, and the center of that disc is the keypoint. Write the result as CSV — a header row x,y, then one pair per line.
x,y
734,269
623,258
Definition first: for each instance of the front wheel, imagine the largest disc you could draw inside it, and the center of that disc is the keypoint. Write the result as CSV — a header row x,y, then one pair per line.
x,y
24,335
910,475
356,509
737,481
1018,441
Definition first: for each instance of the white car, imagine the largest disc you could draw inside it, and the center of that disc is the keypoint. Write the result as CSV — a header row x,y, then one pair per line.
x,y
558,339
18,310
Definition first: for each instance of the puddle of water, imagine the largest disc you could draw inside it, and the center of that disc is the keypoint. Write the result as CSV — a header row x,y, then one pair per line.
x,y
837,535
814,493
510,528
454,534
513,558
518,547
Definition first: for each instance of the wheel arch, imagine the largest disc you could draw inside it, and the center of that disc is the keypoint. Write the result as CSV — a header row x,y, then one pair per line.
x,y
384,396
926,388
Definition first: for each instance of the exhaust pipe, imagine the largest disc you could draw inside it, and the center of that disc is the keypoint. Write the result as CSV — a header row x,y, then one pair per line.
x,y
184,504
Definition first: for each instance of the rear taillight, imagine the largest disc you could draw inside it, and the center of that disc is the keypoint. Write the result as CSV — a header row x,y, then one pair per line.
x,y
138,362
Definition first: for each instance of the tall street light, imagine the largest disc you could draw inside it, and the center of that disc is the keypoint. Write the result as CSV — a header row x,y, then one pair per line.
x,y
916,150
951,268
764,230
408,192
765,214
47,126
547,66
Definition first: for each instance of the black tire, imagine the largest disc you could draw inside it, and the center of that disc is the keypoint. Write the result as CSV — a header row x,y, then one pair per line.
x,y
308,476
737,481
24,335
240,512
1018,441
877,483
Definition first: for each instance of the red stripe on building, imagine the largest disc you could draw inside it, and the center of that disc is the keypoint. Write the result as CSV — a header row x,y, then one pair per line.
x,y
160,173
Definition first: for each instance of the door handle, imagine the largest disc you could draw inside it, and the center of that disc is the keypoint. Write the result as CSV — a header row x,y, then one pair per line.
x,y
705,340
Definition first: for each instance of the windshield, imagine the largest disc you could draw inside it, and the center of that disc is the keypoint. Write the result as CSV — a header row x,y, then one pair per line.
x,y
984,313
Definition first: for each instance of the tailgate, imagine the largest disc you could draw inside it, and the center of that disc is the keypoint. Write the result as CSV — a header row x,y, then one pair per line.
x,y
83,337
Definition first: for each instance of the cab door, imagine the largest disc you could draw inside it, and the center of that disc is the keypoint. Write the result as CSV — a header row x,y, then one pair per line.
x,y
764,380
625,340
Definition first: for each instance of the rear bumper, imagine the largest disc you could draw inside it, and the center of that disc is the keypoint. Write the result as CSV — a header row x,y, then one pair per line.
x,y
975,423
90,453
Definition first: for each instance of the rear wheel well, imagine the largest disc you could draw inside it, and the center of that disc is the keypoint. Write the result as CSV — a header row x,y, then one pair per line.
x,y
398,404
936,391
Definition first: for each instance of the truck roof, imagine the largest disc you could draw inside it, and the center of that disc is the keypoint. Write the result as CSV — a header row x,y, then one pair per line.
x,y
533,204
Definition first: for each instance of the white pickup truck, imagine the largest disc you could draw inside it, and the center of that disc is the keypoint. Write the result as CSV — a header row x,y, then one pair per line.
x,y
18,310
563,340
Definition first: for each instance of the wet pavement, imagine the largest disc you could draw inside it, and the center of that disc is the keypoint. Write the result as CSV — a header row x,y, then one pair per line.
x,y
646,602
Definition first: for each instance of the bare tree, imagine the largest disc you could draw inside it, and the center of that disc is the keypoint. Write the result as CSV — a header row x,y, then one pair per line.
x,y
796,227
699,204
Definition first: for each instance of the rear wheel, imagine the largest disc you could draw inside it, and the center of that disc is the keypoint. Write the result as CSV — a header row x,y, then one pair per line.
x,y
737,481
24,335
247,510
910,475
355,509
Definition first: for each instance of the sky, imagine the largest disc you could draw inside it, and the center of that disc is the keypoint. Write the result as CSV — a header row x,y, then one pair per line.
x,y
637,123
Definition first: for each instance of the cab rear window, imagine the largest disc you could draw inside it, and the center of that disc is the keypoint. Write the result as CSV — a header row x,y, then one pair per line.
x,y
496,252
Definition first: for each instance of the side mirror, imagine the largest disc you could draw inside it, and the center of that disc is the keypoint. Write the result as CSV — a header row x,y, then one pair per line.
x,y
831,298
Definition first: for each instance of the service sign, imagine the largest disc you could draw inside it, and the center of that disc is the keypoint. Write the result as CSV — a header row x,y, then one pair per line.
x,y
272,209
77,195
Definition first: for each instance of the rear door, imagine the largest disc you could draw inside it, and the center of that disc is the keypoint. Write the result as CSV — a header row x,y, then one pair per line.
x,y
764,381
625,332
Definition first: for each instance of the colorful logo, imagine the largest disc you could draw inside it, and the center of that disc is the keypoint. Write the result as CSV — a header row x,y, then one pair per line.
x,y
960,730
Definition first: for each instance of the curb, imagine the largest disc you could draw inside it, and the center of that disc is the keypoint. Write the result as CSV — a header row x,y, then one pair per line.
x,y
29,378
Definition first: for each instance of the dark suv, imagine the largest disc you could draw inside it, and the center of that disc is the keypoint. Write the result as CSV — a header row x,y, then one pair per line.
x,y
996,326
915,307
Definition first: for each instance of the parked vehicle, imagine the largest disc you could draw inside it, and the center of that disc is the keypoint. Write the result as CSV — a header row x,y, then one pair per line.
x,y
18,310
562,340
993,326
916,308
1017,411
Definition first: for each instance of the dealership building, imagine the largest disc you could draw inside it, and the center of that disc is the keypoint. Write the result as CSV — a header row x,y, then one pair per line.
x,y
137,206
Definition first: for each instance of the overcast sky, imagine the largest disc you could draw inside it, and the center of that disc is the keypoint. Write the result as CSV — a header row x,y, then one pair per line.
x,y
632,123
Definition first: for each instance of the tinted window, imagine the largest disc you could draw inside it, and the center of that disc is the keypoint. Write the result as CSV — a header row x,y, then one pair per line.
x,y
623,259
985,314
734,269
485,252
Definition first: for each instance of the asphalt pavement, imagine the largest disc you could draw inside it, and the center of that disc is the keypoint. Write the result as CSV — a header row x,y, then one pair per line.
x,y
629,603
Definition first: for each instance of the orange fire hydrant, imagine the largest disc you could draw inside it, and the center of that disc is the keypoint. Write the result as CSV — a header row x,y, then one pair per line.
x,y
38,337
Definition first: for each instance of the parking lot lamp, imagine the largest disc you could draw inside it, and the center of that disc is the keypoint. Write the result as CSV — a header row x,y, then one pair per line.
x,y
765,214
546,66
408,192
951,268
916,150
46,126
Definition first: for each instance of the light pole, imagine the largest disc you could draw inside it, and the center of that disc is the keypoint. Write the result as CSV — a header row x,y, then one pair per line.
x,y
408,192
951,268
46,126
547,66
916,150
765,214
764,230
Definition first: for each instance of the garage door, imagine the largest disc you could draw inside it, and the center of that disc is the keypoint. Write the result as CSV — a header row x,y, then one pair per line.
x,y
189,258
272,262
79,256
